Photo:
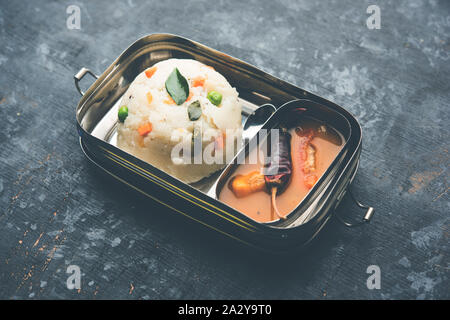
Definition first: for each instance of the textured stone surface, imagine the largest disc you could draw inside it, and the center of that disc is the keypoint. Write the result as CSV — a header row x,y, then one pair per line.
x,y
55,210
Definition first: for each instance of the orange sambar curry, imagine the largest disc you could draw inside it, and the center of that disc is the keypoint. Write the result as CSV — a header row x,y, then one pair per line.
x,y
313,147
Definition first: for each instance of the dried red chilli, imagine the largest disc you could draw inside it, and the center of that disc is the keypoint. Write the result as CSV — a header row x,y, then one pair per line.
x,y
305,139
278,171
307,156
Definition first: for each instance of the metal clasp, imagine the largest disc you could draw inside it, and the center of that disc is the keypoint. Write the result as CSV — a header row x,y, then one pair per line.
x,y
80,74
367,217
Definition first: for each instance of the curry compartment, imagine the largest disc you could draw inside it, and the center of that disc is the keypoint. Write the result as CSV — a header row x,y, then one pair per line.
x,y
300,222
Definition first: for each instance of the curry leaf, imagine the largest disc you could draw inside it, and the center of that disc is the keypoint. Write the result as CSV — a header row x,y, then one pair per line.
x,y
194,111
177,87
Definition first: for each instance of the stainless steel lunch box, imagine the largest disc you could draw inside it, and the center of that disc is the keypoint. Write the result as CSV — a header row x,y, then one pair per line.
x,y
96,116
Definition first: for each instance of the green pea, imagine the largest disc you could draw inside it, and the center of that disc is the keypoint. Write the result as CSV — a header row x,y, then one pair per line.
x,y
123,113
215,97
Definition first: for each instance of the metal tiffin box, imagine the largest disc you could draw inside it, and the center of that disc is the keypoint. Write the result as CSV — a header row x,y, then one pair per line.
x,y
96,116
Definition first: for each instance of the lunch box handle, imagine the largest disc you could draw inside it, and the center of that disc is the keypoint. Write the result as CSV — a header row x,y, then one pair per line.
x,y
367,217
80,74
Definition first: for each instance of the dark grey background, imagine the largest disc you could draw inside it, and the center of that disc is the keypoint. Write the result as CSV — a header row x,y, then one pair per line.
x,y
55,210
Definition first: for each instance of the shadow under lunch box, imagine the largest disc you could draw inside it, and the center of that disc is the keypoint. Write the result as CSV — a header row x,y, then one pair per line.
x,y
96,116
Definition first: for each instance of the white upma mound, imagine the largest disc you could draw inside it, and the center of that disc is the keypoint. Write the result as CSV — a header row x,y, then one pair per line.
x,y
154,124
